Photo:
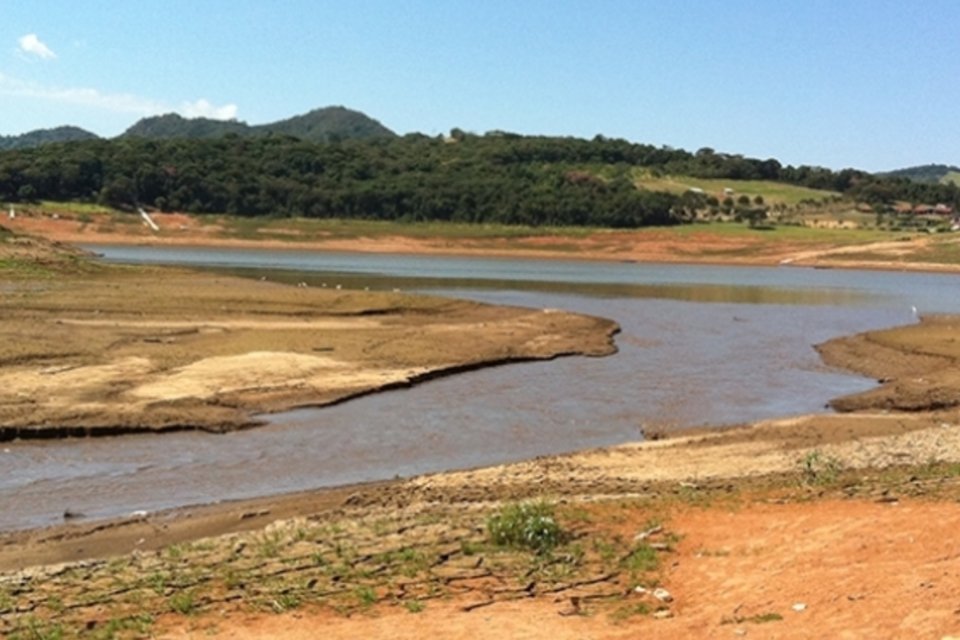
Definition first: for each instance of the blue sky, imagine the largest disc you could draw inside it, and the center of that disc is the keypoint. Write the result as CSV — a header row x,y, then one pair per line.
x,y
869,84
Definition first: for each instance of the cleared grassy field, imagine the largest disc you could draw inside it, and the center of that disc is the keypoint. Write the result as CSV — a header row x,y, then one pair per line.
x,y
300,228
772,192
953,177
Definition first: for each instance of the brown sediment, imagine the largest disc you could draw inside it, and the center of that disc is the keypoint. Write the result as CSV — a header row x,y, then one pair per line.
x,y
917,366
121,350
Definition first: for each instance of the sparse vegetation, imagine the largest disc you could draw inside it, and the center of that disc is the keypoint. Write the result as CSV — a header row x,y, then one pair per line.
x,y
529,525
817,468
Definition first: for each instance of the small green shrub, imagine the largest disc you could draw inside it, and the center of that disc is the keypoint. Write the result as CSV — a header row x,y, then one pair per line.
x,y
366,595
818,468
414,606
642,559
529,525
183,602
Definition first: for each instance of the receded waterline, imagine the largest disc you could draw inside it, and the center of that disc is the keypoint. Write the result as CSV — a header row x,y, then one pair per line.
x,y
685,359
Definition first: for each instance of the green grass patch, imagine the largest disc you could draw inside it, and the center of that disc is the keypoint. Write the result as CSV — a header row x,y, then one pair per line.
x,y
302,229
818,468
414,606
771,192
643,559
23,268
951,177
183,602
529,525
31,628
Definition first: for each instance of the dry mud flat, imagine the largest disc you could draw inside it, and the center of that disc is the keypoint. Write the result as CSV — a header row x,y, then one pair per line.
x,y
808,527
122,350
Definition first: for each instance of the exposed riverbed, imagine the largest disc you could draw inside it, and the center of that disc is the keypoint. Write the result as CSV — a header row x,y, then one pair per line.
x,y
699,345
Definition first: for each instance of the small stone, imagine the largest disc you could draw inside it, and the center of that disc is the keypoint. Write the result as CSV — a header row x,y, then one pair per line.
x,y
663,614
640,590
798,607
662,595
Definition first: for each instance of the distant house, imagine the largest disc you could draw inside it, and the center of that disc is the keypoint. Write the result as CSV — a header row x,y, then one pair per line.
x,y
939,209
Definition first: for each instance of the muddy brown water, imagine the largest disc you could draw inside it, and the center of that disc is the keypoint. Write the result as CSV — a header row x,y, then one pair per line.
x,y
699,345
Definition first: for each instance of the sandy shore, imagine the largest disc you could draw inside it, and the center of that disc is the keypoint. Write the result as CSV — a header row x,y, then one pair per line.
x,y
705,246
806,526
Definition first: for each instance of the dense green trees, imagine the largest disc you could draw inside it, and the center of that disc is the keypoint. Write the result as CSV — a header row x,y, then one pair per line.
x,y
479,179
498,177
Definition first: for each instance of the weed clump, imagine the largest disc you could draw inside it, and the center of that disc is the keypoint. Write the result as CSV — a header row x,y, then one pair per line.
x,y
529,525
816,468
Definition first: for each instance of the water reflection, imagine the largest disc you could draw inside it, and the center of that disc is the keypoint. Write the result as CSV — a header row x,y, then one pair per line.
x,y
690,292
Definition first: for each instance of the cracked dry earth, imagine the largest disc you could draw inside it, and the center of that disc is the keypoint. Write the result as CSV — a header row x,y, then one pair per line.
x,y
853,556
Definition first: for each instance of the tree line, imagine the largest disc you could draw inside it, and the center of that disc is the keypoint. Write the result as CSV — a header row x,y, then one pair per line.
x,y
496,178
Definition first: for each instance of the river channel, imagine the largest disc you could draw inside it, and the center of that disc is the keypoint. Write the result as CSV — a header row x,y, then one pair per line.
x,y
699,345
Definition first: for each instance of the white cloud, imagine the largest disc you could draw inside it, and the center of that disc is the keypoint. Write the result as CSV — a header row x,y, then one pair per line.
x,y
114,102
32,45
203,109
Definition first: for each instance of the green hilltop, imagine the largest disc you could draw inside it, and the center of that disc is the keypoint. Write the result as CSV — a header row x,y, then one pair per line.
x,y
45,136
320,125
329,124
930,173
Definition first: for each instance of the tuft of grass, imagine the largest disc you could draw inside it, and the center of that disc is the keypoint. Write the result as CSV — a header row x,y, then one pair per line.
x,y
34,629
285,602
366,595
183,602
626,612
414,606
643,559
817,468
139,625
529,525
760,618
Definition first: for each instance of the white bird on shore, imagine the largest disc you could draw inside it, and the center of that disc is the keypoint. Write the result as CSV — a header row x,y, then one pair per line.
x,y
913,309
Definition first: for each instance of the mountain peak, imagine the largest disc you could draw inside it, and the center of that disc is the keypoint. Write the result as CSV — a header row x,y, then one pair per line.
x,y
319,125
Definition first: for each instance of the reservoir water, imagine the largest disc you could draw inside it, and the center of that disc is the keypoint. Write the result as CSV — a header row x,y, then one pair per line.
x,y
699,345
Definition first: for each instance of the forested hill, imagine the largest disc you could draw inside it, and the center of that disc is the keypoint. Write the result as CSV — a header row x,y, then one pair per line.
x,y
497,177
45,136
320,125
328,124
927,173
